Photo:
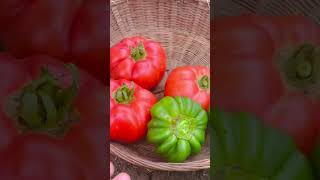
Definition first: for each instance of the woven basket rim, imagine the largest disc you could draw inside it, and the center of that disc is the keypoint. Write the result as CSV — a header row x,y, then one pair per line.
x,y
117,1
163,166
114,2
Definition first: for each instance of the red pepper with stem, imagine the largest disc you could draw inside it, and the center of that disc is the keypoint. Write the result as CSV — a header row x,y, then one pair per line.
x,y
71,30
138,59
51,121
192,82
269,66
129,111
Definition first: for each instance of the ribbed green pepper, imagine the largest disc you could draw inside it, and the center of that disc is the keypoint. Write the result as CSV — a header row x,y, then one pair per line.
x,y
242,148
177,128
316,158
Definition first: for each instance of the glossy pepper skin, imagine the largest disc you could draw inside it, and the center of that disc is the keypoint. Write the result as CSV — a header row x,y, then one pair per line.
x,y
243,148
130,107
190,81
177,128
138,59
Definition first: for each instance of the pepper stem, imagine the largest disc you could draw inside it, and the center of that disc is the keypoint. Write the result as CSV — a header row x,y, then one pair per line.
x,y
138,53
182,127
43,106
124,95
204,82
304,69
300,67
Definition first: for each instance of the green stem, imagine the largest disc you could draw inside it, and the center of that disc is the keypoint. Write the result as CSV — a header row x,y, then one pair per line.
x,y
138,53
43,106
301,66
182,127
124,95
204,82
304,69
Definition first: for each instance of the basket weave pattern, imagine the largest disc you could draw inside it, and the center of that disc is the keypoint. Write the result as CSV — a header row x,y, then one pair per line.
x,y
183,29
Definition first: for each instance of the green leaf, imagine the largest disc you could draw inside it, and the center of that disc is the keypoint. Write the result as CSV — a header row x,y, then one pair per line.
x,y
51,111
46,78
243,148
125,95
49,88
119,96
65,97
30,110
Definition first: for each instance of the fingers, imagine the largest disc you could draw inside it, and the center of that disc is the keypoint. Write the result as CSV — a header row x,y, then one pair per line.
x,y
122,176
111,169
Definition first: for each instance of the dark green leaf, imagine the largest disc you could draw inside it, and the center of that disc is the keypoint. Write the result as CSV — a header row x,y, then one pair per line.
x,y
51,111
30,110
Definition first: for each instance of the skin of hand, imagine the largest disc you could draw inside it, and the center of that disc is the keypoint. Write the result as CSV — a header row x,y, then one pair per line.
x,y
121,176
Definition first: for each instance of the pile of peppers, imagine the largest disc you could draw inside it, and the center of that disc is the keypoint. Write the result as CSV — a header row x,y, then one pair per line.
x,y
177,123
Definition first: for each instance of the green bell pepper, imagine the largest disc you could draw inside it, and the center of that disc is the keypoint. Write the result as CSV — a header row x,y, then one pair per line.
x,y
316,159
243,148
177,128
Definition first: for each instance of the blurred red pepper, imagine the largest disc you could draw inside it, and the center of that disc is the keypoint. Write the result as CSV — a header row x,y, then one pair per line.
x,y
72,30
270,66
51,122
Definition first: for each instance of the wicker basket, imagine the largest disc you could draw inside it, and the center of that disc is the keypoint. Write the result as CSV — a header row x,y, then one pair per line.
x,y
183,28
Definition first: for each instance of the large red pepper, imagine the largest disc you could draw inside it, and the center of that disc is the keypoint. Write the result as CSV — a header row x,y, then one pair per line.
x,y
51,121
270,66
72,30
138,59
190,81
129,111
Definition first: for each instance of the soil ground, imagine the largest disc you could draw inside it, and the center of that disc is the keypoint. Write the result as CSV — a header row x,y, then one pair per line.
x,y
139,173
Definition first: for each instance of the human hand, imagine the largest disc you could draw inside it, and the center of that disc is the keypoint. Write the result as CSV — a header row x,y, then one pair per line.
x,y
121,176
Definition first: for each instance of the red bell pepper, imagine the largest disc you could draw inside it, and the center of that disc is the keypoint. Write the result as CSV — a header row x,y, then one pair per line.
x,y
270,66
137,59
129,111
190,81
51,121
71,30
